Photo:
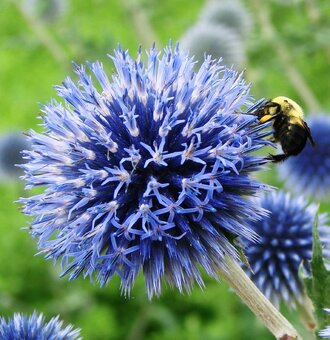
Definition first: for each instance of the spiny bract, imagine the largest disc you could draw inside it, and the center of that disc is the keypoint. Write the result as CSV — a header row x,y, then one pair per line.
x,y
148,171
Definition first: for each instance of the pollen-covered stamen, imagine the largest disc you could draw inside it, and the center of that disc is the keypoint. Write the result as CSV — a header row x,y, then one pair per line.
x,y
130,122
191,152
120,175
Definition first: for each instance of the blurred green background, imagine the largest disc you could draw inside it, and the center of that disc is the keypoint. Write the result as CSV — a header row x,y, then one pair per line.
x,y
287,53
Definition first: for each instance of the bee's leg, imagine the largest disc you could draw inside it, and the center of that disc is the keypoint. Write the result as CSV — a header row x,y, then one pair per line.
x,y
277,158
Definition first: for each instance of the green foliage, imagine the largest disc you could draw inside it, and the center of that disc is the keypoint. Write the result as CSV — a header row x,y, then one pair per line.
x,y
318,284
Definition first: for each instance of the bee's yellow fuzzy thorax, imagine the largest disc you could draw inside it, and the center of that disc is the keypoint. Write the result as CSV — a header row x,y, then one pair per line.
x,y
289,107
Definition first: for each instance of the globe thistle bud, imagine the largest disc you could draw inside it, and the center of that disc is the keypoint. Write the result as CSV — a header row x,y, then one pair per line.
x,y
219,41
231,14
47,10
285,244
34,327
11,146
309,171
148,171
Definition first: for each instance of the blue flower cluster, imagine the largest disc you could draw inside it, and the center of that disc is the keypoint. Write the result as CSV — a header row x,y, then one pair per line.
x,y
34,327
309,171
146,171
285,244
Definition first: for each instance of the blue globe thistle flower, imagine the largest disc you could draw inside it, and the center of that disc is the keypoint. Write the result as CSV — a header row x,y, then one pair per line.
x,y
148,171
285,244
309,171
219,41
231,14
11,146
325,333
34,327
46,10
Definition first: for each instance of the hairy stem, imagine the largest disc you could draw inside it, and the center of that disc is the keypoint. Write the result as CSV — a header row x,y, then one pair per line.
x,y
277,324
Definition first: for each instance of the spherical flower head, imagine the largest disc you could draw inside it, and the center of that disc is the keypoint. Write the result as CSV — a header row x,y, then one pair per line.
x,y
48,11
34,327
285,244
220,41
309,171
231,14
325,333
148,171
11,146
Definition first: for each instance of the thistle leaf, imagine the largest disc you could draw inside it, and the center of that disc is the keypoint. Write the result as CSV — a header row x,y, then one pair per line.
x,y
318,284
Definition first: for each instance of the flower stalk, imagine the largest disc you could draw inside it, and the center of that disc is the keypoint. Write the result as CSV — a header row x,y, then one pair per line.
x,y
277,324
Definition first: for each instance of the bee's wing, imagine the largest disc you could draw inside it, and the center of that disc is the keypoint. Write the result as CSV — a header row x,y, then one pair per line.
x,y
308,131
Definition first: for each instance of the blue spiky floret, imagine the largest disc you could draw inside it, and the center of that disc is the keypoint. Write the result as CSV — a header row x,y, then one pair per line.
x,y
34,327
309,171
150,173
285,245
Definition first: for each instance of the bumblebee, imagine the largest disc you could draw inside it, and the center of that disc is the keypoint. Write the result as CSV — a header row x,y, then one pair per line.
x,y
290,130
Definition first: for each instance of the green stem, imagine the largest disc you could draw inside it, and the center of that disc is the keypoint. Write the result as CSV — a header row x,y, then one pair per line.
x,y
141,23
277,324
